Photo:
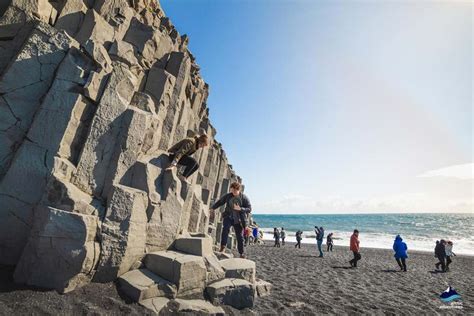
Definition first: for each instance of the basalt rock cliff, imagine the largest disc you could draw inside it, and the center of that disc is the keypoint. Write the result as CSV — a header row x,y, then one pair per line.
x,y
92,94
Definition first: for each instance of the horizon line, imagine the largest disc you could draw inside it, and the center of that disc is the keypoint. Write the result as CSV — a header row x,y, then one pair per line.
x,y
372,213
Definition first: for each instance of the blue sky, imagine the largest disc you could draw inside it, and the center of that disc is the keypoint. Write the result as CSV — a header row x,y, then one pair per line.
x,y
340,106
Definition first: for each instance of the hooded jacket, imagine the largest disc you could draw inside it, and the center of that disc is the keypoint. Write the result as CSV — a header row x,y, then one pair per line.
x,y
400,248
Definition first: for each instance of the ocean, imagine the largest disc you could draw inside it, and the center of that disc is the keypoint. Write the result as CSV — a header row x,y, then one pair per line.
x,y
419,231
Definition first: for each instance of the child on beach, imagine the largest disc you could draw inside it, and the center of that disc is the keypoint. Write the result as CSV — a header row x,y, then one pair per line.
x,y
255,234
449,253
355,248
246,236
329,241
440,253
299,233
400,249
282,236
276,236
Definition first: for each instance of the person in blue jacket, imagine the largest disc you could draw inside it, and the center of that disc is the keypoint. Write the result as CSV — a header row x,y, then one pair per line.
x,y
400,249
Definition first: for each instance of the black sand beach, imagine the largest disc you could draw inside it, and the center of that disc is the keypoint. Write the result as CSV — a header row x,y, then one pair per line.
x,y
303,285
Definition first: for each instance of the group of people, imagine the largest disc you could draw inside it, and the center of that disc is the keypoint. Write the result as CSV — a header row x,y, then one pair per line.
x,y
444,252
237,205
277,235
252,235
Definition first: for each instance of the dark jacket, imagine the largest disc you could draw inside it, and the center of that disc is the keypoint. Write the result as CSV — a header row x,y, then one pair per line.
x,y
185,147
319,234
440,251
298,235
228,199
400,248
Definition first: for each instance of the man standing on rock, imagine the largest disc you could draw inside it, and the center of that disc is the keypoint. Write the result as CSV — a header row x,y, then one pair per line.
x,y
237,207
180,154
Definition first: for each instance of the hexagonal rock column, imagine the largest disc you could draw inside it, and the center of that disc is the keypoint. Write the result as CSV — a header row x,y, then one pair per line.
x,y
188,272
142,284
123,233
61,252
239,268
237,293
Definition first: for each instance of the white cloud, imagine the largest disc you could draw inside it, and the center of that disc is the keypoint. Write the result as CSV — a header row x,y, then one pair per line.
x,y
464,172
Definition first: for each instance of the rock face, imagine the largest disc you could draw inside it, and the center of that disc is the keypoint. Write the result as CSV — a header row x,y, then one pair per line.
x,y
92,94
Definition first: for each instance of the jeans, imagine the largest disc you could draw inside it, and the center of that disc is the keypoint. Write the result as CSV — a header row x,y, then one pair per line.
x,y
298,243
448,261
442,262
356,258
226,225
329,246
402,263
190,163
320,244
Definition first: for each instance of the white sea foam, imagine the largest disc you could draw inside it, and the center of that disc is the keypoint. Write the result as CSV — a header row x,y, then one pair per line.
x,y
383,241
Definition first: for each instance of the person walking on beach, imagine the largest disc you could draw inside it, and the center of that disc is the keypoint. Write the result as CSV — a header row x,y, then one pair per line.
x,y
282,236
276,236
237,207
329,241
449,253
355,248
299,233
440,253
400,249
319,239
180,154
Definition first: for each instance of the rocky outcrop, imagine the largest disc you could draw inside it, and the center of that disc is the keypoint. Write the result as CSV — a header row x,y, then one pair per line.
x,y
92,94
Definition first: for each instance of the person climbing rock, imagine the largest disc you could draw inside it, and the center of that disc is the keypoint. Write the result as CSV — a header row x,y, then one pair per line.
x,y
180,154
237,207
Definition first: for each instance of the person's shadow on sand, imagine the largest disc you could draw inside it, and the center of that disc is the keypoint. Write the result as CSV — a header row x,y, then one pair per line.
x,y
341,267
436,271
390,270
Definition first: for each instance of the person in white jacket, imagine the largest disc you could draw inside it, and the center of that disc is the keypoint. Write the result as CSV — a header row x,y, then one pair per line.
x,y
449,253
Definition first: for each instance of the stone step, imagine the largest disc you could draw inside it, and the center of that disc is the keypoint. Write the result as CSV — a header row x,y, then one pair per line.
x,y
199,245
187,272
239,268
142,284
155,304
237,293
195,307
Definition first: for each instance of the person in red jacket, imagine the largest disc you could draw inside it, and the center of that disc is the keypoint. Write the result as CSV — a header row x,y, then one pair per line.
x,y
355,248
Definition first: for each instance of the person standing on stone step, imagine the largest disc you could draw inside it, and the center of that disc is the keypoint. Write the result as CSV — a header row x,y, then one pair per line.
x,y
180,154
237,208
